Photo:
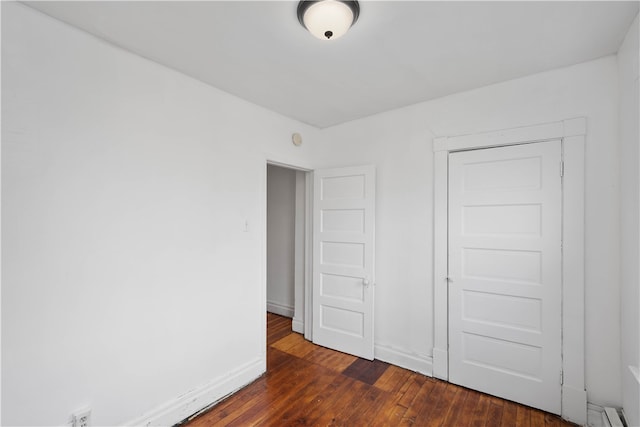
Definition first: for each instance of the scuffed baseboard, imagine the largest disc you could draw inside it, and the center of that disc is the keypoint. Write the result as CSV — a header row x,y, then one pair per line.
x,y
282,310
182,407
412,362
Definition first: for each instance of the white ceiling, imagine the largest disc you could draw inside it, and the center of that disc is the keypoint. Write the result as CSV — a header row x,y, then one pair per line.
x,y
398,53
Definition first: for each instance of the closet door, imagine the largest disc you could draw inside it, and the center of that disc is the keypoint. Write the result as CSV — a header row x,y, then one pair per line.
x,y
505,284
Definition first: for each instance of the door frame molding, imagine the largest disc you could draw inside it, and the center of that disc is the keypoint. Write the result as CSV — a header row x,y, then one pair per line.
x,y
572,134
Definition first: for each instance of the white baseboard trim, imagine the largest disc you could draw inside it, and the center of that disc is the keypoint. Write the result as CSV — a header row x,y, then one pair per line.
x,y
412,362
282,310
574,404
594,415
297,325
182,407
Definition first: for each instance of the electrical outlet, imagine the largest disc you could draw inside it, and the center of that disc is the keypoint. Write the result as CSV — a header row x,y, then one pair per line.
x,y
82,418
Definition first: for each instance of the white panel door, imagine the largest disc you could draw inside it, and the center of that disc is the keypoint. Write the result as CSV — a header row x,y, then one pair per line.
x,y
505,272
343,259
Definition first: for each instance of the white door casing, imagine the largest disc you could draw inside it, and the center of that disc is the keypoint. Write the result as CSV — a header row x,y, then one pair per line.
x,y
505,272
572,133
343,259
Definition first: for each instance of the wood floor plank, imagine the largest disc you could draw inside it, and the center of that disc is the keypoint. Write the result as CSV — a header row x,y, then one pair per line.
x,y
414,383
278,395
330,358
390,417
276,357
277,327
426,413
392,379
294,344
465,415
295,406
406,385
537,418
479,417
456,408
509,414
443,407
420,400
523,416
367,408
226,414
306,385
551,420
392,412
336,414
228,407
367,371
494,415
269,389
328,400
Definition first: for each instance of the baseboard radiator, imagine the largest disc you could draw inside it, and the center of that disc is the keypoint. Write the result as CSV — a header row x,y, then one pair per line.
x,y
611,418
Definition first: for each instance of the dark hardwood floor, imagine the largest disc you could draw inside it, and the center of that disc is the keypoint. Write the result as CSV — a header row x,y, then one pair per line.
x,y
309,385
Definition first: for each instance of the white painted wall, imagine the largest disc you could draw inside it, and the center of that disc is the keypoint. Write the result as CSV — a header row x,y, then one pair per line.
x,y
628,75
281,211
399,144
128,278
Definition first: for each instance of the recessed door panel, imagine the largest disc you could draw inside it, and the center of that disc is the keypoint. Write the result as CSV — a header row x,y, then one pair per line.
x,y
342,321
341,287
342,187
501,175
342,220
509,311
521,360
342,254
501,264
507,220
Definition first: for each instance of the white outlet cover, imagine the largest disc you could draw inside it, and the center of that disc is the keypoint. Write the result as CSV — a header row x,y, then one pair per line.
x,y
81,417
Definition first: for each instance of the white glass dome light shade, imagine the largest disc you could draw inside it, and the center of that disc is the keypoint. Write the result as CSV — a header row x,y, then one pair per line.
x,y
328,19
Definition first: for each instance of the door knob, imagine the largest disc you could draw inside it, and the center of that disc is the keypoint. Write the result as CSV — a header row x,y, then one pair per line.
x,y
365,281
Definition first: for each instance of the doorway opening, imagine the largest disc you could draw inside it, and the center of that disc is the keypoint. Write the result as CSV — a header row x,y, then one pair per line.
x,y
281,235
287,208
320,230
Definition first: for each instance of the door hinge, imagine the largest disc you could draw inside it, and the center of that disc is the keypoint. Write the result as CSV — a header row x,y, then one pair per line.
x,y
561,169
561,378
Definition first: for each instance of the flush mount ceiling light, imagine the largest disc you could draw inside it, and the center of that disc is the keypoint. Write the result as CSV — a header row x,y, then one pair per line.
x,y
328,19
